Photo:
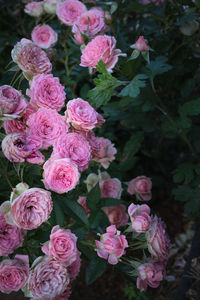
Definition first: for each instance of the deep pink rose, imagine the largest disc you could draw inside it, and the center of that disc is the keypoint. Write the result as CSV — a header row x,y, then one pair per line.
x,y
69,11
47,92
156,2
158,240
60,175
44,36
75,147
150,274
32,208
111,245
141,45
140,218
141,187
82,201
103,151
62,246
47,125
48,278
111,188
31,59
14,274
102,48
34,9
74,268
116,214
11,237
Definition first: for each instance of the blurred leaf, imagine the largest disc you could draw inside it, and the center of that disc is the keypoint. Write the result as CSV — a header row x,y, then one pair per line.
x,y
133,88
59,214
75,210
94,270
191,108
93,197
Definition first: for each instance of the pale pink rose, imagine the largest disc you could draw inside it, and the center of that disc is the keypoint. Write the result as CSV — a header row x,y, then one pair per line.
x,y
60,175
44,36
82,201
14,273
82,115
31,59
156,2
47,92
111,188
141,187
34,9
103,151
50,6
141,45
65,295
111,245
150,274
69,11
12,102
102,47
62,246
158,240
11,237
140,217
47,125
74,268
90,23
116,214
75,147
32,208
48,278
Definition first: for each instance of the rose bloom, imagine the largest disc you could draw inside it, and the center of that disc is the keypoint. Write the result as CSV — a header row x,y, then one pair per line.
x,y
60,175
140,217
111,245
141,44
75,147
14,273
48,278
32,208
44,36
111,188
156,2
82,115
50,6
69,11
102,48
62,246
91,21
82,201
11,237
103,151
116,214
74,268
141,187
47,125
34,9
158,240
47,92
31,59
12,101
150,274
64,296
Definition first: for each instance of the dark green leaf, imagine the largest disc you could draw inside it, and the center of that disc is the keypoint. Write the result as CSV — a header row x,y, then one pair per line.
x,y
75,210
94,270
59,214
93,197
133,88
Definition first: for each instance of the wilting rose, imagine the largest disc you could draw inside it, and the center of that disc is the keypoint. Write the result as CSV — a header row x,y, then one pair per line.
x,y
44,36
141,187
103,151
102,48
82,201
62,246
34,9
47,92
158,240
140,217
60,175
117,215
111,188
32,208
69,11
74,268
14,273
50,6
141,44
48,278
111,245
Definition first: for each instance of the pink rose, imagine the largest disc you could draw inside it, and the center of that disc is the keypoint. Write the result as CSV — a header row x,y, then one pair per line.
x,y
62,246
141,45
82,115
60,175
157,240
141,187
14,274
75,147
31,59
32,208
50,6
64,296
140,218
47,92
11,237
69,11
103,151
156,2
74,268
82,201
150,274
47,125
111,245
34,9
48,278
116,214
102,48
111,188
44,36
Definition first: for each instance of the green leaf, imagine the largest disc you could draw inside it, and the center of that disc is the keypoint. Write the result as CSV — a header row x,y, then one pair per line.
x,y
133,88
93,197
157,66
191,108
98,220
59,214
182,193
134,54
109,202
185,172
133,145
94,270
76,211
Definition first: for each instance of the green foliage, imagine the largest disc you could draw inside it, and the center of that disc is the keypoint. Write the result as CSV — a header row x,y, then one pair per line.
x,y
94,270
133,88
133,293
93,197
